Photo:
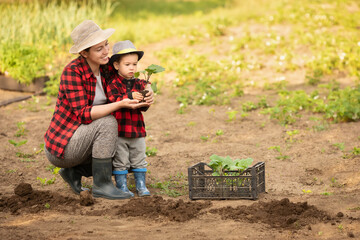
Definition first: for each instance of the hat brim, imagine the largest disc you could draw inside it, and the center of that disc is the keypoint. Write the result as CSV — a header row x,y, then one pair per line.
x,y
116,56
95,38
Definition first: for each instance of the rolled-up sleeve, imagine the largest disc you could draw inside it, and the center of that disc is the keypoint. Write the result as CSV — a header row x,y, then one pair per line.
x,y
76,95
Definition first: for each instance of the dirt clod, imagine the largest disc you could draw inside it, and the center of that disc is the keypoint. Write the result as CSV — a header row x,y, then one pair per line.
x,y
23,189
340,214
86,199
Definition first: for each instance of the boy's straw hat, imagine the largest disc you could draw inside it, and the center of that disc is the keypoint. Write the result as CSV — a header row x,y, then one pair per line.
x,y
124,47
88,34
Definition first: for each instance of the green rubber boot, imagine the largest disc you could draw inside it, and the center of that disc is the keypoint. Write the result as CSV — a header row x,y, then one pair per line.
x,y
102,177
73,176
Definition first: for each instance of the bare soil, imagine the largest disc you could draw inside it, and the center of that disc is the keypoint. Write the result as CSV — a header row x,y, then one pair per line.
x,y
29,210
313,194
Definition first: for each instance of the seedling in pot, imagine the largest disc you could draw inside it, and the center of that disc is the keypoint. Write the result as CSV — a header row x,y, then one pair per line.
x,y
150,70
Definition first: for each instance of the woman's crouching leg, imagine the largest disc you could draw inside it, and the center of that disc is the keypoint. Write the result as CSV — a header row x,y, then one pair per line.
x,y
97,139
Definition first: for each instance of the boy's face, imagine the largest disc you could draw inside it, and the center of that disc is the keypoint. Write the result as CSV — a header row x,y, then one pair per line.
x,y
127,66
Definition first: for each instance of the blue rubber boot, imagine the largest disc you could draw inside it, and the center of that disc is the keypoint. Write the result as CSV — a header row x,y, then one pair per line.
x,y
139,175
121,181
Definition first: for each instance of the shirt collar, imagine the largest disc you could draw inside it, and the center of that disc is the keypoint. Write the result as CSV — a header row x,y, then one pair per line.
x,y
87,70
124,80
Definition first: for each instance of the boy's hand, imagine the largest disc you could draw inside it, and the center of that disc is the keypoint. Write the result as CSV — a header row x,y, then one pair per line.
x,y
137,96
149,98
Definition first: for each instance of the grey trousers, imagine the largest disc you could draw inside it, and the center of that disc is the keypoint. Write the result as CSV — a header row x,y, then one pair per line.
x,y
97,139
130,153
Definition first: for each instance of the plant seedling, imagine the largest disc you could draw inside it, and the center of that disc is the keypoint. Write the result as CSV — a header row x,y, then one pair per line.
x,y
219,132
231,115
150,70
326,193
204,138
278,149
17,144
306,191
340,146
355,152
221,164
151,151
173,187
291,135
44,181
21,129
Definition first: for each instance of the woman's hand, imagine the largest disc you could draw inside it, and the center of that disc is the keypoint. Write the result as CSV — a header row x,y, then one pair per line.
x,y
132,104
149,98
99,111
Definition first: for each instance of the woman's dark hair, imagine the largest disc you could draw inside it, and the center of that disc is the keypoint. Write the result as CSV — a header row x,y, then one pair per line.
x,y
104,69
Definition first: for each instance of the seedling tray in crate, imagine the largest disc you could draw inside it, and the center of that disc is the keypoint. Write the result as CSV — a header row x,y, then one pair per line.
x,y
232,185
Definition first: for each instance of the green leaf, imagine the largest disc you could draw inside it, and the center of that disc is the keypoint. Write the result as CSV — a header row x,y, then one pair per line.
x,y
216,163
17,144
154,87
220,164
153,68
228,163
243,164
13,142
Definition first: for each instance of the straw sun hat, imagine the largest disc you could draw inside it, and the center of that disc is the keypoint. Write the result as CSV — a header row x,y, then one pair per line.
x,y
88,34
124,47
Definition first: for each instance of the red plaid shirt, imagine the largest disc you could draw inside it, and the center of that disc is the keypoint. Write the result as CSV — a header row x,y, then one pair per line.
x,y
73,105
130,121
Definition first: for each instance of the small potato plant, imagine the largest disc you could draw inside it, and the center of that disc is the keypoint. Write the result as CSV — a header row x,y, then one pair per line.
x,y
150,70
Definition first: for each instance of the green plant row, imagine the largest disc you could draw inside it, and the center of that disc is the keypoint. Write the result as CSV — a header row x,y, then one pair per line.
x,y
35,34
339,105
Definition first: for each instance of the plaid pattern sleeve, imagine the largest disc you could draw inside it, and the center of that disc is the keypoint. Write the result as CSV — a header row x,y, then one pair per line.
x,y
115,89
131,121
73,106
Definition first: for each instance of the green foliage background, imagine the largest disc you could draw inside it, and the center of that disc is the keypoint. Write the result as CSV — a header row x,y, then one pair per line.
x,y
320,37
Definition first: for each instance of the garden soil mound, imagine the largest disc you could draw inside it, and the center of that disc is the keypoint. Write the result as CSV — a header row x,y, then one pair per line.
x,y
27,200
277,213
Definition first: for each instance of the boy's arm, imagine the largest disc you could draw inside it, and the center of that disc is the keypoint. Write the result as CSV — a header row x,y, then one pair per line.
x,y
114,92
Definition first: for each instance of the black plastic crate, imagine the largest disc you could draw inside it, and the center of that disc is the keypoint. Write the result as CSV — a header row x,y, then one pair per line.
x,y
232,185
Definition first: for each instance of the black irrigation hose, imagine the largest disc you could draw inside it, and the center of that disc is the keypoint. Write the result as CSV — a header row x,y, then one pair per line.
x,y
17,99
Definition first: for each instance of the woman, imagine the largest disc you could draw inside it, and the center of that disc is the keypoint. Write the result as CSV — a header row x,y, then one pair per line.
x,y
82,135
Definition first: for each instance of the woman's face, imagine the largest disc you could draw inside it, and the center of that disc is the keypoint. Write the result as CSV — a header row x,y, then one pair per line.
x,y
127,66
97,54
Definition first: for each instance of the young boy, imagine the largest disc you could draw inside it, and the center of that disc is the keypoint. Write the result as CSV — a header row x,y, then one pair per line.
x,y
130,152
